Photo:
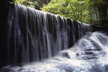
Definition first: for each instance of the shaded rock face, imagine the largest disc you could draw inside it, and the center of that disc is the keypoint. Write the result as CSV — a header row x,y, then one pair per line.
x,y
3,31
90,54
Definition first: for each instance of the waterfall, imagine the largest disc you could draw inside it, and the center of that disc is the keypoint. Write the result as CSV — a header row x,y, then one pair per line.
x,y
34,35
89,54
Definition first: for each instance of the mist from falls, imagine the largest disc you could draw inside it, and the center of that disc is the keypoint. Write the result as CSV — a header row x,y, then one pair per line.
x,y
35,35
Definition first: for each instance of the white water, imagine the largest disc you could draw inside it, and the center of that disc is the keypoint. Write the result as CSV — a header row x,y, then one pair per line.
x,y
89,54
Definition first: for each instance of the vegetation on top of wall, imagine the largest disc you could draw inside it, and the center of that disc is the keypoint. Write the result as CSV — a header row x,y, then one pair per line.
x,y
30,3
88,11
72,9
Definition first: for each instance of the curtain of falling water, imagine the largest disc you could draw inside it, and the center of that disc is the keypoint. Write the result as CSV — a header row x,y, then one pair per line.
x,y
35,35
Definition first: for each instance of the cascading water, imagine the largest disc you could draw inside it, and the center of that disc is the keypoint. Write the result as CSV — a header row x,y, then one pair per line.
x,y
89,54
35,35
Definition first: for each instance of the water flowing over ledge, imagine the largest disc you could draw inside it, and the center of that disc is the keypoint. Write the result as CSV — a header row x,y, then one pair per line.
x,y
35,35
89,54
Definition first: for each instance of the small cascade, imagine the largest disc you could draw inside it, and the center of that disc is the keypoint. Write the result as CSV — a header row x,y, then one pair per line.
x,y
34,35
89,54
